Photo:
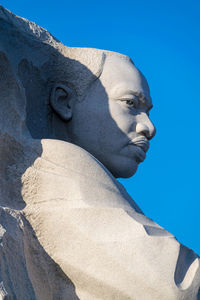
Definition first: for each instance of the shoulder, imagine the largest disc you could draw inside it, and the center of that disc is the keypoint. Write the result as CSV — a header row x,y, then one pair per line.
x,y
72,157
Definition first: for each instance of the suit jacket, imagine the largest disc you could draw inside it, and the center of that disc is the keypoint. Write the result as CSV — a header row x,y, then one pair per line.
x,y
95,234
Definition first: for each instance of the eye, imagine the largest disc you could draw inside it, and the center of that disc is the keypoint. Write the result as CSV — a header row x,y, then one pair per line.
x,y
131,102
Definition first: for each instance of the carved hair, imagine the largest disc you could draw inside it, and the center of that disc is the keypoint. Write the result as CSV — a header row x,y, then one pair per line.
x,y
39,61
78,67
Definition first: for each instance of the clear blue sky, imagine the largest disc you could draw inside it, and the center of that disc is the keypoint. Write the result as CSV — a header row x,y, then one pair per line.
x,y
163,39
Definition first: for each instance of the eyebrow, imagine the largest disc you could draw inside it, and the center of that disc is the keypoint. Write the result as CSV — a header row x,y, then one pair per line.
x,y
141,97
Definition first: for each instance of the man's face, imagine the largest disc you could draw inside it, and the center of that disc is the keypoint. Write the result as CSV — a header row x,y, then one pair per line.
x,y
112,121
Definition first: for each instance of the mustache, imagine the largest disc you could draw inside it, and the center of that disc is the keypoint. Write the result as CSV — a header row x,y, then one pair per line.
x,y
140,141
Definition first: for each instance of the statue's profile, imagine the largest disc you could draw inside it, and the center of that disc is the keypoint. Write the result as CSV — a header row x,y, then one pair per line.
x,y
72,121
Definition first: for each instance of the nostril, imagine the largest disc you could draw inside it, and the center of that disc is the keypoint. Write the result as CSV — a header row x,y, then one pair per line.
x,y
147,131
143,130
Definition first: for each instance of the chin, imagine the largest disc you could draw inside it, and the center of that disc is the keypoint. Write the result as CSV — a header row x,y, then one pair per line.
x,y
124,168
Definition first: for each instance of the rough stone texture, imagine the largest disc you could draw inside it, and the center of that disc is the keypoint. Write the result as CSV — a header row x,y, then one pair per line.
x,y
68,229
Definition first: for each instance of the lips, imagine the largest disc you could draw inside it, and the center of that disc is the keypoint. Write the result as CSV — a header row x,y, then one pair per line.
x,y
141,147
143,143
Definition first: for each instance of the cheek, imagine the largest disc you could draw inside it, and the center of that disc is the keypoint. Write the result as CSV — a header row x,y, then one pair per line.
x,y
89,123
124,118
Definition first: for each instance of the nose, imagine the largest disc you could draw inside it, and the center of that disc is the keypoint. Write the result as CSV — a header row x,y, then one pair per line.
x,y
145,127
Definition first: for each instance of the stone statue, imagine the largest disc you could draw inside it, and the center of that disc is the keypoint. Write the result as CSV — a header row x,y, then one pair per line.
x,y
72,120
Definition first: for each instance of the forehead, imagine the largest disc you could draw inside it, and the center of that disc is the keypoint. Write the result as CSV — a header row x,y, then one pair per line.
x,y
121,76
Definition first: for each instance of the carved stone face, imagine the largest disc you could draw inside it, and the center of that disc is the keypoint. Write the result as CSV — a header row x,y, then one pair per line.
x,y
112,122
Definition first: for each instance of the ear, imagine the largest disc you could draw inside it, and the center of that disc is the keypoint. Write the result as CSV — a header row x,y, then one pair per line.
x,y
61,100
